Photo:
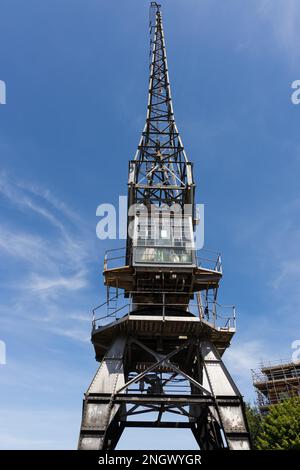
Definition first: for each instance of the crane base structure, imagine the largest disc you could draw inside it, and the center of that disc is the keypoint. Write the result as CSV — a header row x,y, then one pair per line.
x,y
159,367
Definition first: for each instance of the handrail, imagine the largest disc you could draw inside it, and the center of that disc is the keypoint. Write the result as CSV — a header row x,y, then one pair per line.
x,y
215,261
113,314
104,303
115,249
212,312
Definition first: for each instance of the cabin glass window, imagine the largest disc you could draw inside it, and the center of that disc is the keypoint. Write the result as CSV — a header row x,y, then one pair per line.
x,y
162,240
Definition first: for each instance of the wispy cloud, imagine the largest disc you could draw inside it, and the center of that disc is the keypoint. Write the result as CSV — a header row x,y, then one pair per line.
x,y
48,196
284,19
240,358
42,283
23,198
52,266
78,334
245,356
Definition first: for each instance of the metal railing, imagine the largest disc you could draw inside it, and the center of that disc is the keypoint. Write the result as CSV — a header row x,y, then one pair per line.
x,y
114,258
207,259
219,316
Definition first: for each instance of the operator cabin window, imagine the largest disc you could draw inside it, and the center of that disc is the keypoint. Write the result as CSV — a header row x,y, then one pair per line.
x,y
163,240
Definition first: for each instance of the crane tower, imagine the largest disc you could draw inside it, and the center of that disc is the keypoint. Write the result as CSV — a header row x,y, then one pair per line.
x,y
159,337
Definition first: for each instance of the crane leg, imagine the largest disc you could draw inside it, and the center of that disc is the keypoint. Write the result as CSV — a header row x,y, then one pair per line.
x,y
101,426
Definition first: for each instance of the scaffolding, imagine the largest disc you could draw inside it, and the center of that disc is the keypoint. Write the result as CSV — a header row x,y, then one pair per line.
x,y
275,382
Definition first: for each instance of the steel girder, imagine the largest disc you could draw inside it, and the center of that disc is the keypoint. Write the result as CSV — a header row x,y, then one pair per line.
x,y
212,407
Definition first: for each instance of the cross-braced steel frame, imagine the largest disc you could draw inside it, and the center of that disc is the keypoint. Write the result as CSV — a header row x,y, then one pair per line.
x,y
135,380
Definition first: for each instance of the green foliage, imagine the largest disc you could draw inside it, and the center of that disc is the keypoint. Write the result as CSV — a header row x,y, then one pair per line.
x,y
280,428
254,423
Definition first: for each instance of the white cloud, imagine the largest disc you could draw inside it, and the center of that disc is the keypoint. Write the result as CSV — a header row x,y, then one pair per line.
x,y
48,196
288,273
79,317
284,19
51,263
24,201
52,266
42,283
240,358
27,247
244,357
78,334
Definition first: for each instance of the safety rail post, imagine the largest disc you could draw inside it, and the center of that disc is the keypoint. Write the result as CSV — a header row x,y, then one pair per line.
x,y
214,309
234,318
94,320
164,306
200,306
220,263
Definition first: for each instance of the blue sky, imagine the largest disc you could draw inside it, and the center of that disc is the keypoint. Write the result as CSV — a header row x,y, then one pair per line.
x,y
76,73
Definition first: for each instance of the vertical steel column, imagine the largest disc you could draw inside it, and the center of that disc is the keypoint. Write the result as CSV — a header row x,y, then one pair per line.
x,y
100,426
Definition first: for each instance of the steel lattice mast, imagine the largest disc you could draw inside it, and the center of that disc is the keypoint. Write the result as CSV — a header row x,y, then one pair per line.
x,y
160,354
160,172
